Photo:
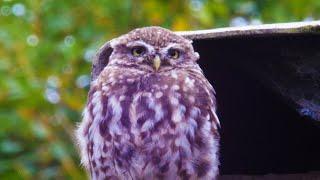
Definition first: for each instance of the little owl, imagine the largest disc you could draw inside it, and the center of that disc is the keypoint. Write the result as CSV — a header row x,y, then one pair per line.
x,y
150,112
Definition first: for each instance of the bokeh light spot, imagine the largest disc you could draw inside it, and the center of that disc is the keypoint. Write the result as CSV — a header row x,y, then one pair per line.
x,y
5,11
53,82
196,5
32,40
83,81
238,21
88,55
52,95
255,22
18,9
69,40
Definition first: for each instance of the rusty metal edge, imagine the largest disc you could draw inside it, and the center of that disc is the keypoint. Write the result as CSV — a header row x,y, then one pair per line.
x,y
254,30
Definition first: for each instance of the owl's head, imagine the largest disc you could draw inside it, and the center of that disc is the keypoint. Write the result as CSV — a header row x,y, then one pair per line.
x,y
152,49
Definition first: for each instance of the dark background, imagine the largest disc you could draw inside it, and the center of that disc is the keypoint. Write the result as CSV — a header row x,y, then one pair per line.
x,y
261,131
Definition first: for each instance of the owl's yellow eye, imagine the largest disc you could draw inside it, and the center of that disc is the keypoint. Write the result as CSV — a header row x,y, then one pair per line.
x,y
138,51
174,53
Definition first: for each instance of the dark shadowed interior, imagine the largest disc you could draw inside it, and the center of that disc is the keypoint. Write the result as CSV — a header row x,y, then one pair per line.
x,y
261,130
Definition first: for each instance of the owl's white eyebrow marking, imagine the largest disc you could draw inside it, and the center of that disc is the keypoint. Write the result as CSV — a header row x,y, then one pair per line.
x,y
171,45
140,43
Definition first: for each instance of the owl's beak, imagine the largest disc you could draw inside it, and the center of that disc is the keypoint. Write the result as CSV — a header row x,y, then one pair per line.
x,y
156,62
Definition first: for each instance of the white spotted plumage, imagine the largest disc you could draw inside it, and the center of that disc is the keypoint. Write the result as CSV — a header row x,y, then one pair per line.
x,y
141,122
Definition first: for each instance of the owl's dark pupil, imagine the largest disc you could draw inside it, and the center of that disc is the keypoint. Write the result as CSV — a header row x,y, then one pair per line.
x,y
137,51
174,53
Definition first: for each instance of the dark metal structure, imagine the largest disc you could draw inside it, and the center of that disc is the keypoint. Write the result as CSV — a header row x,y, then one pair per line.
x,y
267,80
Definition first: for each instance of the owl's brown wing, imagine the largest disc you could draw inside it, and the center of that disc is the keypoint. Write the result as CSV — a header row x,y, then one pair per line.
x,y
206,95
199,98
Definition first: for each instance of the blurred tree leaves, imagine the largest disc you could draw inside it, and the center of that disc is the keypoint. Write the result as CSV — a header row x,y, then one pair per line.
x,y
45,52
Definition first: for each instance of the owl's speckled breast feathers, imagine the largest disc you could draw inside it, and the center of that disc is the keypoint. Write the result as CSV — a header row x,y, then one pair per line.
x,y
150,113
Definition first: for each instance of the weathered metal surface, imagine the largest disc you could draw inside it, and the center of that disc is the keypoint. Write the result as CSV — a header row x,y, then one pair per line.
x,y
312,27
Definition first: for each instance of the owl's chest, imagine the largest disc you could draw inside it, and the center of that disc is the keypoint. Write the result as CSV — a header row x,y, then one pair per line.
x,y
145,109
146,106
147,122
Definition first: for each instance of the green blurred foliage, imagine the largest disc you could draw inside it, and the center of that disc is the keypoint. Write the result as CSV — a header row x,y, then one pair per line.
x,y
45,52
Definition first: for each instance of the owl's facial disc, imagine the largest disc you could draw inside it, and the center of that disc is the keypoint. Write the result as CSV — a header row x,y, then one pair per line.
x,y
153,50
143,53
